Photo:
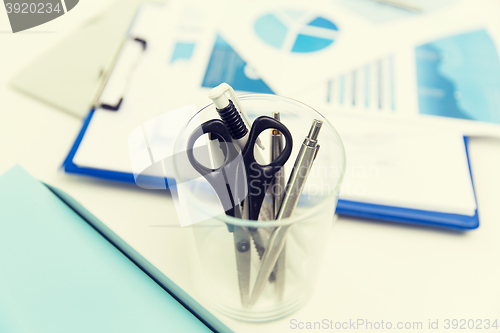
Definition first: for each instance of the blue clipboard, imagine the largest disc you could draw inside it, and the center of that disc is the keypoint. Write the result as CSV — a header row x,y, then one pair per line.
x,y
344,207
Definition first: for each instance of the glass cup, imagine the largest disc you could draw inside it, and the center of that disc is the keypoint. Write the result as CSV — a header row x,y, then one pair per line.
x,y
230,250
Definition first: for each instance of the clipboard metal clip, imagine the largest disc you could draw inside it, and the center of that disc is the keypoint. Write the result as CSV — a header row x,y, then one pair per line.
x,y
110,93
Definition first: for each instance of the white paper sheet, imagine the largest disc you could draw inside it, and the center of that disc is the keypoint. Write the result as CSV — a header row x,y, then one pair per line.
x,y
397,163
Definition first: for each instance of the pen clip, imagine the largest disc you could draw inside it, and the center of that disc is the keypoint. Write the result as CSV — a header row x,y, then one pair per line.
x,y
316,152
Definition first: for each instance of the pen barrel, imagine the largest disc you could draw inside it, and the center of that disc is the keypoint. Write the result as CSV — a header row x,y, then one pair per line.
x,y
277,240
278,185
298,178
276,243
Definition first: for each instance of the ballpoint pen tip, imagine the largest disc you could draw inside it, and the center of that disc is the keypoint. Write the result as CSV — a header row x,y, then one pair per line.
x,y
315,128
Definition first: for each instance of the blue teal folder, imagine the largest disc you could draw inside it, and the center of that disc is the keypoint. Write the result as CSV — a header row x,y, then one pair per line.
x,y
62,270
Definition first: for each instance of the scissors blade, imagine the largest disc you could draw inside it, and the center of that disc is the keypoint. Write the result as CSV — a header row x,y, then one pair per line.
x,y
259,240
260,237
243,257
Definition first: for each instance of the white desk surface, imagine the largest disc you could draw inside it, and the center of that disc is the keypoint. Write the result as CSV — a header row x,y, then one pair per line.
x,y
371,270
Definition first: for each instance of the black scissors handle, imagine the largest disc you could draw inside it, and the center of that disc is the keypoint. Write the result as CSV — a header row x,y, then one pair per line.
x,y
228,180
259,177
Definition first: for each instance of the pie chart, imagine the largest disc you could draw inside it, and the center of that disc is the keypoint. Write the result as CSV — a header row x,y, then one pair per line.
x,y
295,31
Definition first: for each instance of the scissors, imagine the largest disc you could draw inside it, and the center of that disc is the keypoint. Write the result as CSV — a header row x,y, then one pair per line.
x,y
240,181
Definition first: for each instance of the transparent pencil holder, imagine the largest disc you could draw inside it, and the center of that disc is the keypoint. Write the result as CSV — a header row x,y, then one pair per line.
x,y
230,250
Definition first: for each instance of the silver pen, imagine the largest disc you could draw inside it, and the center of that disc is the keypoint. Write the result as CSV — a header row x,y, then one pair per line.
x,y
277,193
278,185
294,187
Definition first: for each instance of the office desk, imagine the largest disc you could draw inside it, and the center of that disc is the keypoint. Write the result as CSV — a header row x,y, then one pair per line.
x,y
372,271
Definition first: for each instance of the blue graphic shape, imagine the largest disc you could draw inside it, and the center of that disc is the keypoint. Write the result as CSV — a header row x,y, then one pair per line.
x,y
182,51
316,35
459,77
304,44
225,65
271,30
323,23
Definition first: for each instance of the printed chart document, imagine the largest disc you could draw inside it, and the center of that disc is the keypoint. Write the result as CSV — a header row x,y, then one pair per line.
x,y
438,59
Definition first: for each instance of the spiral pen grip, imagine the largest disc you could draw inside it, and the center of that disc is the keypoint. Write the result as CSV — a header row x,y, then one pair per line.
x,y
233,121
